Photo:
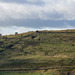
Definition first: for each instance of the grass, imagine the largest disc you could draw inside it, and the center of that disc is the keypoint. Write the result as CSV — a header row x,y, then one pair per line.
x,y
38,49
23,73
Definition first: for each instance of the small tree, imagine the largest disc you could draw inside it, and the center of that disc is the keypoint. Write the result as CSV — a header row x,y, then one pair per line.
x,y
73,44
39,39
16,33
37,31
32,37
0,34
5,37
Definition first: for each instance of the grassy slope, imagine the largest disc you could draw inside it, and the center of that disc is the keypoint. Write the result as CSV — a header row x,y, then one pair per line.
x,y
35,50
22,73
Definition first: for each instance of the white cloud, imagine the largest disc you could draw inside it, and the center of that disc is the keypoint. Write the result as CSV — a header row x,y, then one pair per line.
x,y
18,11
46,10
5,30
65,26
32,1
50,9
22,29
65,8
13,29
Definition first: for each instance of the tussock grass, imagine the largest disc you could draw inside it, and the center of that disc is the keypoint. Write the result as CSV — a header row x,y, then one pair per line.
x,y
38,49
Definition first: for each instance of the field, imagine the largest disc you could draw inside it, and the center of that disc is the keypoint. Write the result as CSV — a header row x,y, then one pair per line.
x,y
22,73
38,50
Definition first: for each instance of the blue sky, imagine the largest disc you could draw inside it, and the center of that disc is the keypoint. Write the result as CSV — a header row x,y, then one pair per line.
x,y
30,15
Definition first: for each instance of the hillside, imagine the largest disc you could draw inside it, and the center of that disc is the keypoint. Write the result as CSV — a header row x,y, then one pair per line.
x,y
39,49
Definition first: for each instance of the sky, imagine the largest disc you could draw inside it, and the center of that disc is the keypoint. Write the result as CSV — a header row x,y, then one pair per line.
x,y
30,15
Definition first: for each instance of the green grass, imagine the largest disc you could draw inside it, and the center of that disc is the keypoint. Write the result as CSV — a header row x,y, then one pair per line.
x,y
23,73
37,50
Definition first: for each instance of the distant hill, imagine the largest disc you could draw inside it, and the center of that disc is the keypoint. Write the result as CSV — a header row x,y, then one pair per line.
x,y
38,49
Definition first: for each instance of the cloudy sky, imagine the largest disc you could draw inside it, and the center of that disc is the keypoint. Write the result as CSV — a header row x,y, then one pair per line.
x,y
29,15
